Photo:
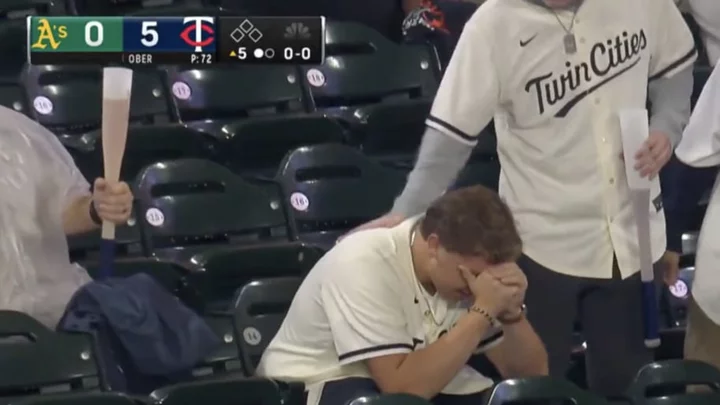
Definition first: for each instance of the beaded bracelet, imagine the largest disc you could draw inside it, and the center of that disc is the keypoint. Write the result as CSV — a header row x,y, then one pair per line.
x,y
491,320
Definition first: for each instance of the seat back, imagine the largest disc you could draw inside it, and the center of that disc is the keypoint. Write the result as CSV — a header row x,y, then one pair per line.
x,y
137,7
11,96
59,361
391,399
196,202
677,297
260,308
68,99
19,9
248,391
674,375
227,358
257,146
77,398
333,188
231,93
540,390
13,47
224,271
354,56
147,144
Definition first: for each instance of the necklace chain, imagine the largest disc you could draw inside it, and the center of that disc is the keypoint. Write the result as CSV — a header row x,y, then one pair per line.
x,y
429,311
568,30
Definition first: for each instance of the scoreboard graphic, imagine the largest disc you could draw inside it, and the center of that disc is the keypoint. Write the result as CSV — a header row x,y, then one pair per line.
x,y
192,40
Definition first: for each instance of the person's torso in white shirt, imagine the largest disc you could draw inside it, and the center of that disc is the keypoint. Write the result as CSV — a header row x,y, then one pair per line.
x,y
327,335
557,124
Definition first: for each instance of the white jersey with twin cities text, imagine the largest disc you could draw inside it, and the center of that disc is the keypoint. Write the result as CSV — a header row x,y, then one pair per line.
x,y
554,82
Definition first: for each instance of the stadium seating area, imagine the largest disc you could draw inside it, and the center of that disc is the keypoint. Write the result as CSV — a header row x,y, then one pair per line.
x,y
243,177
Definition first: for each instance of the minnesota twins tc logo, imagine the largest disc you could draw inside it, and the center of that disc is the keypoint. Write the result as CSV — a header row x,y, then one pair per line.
x,y
193,33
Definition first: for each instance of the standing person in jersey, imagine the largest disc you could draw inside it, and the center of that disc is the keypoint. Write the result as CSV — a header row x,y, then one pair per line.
x,y
554,74
402,310
700,147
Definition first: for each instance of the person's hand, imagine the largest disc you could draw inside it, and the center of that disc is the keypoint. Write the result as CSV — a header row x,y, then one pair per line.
x,y
671,261
510,274
385,221
654,154
112,201
489,293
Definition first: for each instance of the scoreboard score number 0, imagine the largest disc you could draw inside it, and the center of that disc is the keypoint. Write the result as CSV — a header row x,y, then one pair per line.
x,y
194,40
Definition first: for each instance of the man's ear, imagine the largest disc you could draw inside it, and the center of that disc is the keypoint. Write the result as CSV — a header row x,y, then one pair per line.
x,y
433,243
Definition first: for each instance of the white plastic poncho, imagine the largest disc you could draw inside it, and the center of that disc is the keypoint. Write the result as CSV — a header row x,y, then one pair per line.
x,y
38,179
700,147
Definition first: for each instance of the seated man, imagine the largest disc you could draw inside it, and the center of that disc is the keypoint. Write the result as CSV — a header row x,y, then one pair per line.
x,y
44,199
402,310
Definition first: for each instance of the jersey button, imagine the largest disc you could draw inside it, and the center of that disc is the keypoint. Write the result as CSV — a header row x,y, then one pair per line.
x,y
612,180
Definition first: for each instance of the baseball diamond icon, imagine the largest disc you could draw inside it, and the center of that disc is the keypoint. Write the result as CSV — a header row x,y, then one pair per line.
x,y
246,29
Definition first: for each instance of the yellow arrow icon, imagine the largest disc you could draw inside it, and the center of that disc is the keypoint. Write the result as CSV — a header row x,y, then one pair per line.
x,y
233,54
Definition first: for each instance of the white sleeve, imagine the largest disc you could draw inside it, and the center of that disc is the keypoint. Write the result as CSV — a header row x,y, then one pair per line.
x,y
470,91
365,314
700,143
707,15
672,47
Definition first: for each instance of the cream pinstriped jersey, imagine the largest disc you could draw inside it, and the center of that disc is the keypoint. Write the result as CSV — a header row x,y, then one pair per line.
x,y
360,301
556,117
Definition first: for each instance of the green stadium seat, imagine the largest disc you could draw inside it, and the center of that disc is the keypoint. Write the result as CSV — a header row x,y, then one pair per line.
x,y
171,275
226,360
381,89
257,111
189,205
391,399
147,144
260,308
78,398
13,45
68,101
330,189
13,39
19,9
223,271
75,98
11,96
228,391
653,382
541,390
169,8
38,360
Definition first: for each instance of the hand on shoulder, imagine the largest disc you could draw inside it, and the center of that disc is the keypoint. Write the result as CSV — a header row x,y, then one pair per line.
x,y
385,221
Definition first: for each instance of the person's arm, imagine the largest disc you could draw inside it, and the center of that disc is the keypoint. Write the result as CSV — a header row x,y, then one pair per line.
x,y
521,353
69,189
77,218
369,325
700,144
427,371
464,104
670,103
707,14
